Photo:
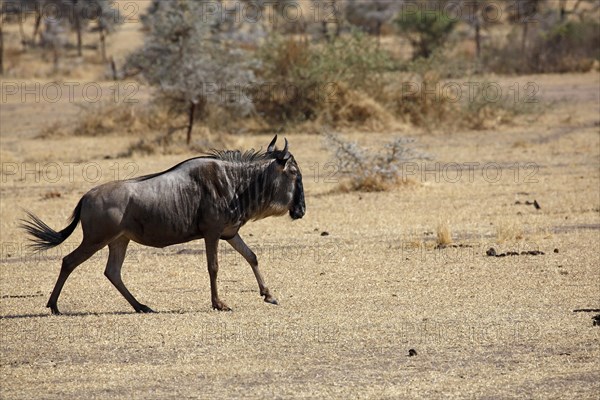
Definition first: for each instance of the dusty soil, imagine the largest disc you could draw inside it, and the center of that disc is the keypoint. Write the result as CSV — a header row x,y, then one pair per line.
x,y
352,303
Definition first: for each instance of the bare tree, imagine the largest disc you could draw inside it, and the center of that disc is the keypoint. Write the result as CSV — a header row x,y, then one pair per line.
x,y
1,49
524,12
107,19
428,26
190,61
479,15
328,12
581,13
54,38
370,16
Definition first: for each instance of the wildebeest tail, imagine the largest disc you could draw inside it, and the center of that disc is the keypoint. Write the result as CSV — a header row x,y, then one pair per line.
x,y
44,237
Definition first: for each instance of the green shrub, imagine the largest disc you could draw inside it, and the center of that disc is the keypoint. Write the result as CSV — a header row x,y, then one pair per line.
x,y
426,29
570,46
302,81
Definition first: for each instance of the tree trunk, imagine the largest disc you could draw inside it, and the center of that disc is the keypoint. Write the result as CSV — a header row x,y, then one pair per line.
x,y
338,22
78,29
36,28
113,68
77,23
22,33
103,44
563,10
1,51
324,30
477,40
524,38
191,122
56,57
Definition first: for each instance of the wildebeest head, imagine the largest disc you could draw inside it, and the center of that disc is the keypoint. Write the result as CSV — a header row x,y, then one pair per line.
x,y
290,191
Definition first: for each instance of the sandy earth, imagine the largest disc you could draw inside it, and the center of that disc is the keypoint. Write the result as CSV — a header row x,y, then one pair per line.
x,y
352,303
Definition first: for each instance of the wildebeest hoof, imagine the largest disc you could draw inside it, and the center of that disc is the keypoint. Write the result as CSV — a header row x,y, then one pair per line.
x,y
271,300
55,311
145,309
220,306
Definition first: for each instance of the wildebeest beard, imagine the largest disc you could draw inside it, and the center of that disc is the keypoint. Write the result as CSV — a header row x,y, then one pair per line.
x,y
256,193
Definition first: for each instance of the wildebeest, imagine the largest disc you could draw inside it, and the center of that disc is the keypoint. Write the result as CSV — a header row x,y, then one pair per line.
x,y
209,197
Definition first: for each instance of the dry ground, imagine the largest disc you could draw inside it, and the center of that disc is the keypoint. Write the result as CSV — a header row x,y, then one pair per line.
x,y
352,303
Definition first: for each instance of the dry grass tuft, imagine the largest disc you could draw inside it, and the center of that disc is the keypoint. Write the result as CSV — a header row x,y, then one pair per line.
x,y
174,143
350,108
444,235
371,183
53,130
508,231
110,118
98,119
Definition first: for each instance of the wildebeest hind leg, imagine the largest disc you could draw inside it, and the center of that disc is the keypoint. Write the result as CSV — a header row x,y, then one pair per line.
x,y
69,263
240,246
116,255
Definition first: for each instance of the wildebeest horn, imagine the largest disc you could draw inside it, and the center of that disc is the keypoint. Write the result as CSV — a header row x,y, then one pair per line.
x,y
285,149
271,147
286,154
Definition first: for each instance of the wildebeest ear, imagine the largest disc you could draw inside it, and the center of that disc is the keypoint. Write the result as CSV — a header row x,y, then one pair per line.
x,y
284,159
271,147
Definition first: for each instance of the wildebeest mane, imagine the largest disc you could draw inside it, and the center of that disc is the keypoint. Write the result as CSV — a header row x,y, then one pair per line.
x,y
233,156
236,156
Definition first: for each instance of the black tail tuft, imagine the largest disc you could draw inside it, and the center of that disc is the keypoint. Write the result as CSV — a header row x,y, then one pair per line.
x,y
44,237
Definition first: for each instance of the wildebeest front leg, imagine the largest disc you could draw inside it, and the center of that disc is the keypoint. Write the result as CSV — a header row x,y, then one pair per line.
x,y
212,245
238,244
116,256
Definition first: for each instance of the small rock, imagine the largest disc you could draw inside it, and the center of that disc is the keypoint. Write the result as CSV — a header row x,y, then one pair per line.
x,y
412,352
491,252
324,233
536,205
51,195
556,251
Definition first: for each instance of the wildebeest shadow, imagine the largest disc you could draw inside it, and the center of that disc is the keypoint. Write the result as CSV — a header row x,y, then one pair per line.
x,y
86,314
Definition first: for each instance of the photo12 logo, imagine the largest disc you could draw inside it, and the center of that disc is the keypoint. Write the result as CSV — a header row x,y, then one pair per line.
x,y
71,92
454,172
488,92
54,172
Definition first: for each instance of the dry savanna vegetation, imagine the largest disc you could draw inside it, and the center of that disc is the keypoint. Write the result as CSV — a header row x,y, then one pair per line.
x,y
451,169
